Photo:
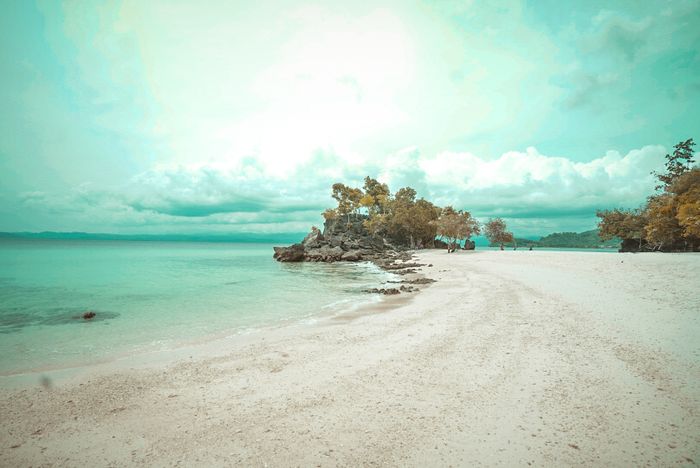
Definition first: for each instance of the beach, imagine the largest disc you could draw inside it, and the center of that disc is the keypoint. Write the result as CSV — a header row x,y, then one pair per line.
x,y
511,358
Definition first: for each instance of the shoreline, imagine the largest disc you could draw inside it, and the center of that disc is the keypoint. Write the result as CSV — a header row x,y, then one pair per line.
x,y
203,346
504,361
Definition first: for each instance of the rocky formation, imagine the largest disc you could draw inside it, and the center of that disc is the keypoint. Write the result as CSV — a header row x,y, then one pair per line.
x,y
341,240
349,241
386,292
415,281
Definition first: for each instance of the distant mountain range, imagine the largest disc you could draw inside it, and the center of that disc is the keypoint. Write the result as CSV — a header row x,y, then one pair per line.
x,y
282,238
587,239
579,240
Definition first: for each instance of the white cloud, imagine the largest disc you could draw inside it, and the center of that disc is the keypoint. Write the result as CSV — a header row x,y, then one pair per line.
x,y
534,190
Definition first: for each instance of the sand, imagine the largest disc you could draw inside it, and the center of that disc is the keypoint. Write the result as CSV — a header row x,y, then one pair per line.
x,y
510,359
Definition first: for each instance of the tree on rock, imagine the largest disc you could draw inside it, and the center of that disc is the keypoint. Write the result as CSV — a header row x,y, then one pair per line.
x,y
379,194
496,233
341,194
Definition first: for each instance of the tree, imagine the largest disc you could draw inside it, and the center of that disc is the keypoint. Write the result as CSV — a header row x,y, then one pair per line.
x,y
348,199
495,230
330,214
454,226
628,225
355,196
423,215
661,226
341,193
367,202
686,189
677,163
380,195
399,220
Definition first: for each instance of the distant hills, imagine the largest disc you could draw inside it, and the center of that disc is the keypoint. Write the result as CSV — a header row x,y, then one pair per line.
x,y
282,238
578,240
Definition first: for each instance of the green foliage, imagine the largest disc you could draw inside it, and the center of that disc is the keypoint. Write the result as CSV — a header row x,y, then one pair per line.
x,y
401,218
453,226
495,231
670,220
578,240
677,163
581,240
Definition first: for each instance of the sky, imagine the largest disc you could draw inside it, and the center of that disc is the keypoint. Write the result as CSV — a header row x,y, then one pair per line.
x,y
227,116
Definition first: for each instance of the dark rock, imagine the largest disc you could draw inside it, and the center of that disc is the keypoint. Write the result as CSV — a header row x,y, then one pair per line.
x,y
89,315
352,256
313,239
438,244
419,281
469,245
386,292
293,253
344,238
324,254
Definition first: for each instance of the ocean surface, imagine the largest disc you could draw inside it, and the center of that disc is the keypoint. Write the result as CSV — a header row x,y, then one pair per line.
x,y
154,295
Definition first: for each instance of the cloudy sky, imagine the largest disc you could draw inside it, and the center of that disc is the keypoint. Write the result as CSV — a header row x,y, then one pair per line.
x,y
224,116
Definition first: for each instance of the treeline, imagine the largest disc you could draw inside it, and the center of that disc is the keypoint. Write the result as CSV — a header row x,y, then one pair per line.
x,y
579,240
583,240
670,219
405,220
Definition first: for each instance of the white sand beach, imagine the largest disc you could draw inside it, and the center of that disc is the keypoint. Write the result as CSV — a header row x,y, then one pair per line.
x,y
512,358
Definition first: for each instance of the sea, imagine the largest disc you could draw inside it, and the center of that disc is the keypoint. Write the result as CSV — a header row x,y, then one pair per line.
x,y
153,296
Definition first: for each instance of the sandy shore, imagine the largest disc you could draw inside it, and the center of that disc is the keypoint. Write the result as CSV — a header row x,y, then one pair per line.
x,y
511,358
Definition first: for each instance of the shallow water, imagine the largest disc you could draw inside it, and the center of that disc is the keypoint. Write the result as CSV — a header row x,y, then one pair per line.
x,y
153,295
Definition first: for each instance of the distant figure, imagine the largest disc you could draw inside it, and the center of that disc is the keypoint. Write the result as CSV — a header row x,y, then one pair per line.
x,y
530,248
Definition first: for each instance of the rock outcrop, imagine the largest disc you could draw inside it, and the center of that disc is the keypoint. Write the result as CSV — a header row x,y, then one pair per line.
x,y
293,253
385,291
342,239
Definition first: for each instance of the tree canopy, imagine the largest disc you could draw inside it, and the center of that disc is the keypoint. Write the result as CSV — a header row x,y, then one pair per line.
x,y
670,220
454,226
401,217
496,233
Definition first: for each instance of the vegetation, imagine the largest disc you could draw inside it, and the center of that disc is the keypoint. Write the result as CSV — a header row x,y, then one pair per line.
x,y
578,240
670,220
495,230
400,217
582,240
453,226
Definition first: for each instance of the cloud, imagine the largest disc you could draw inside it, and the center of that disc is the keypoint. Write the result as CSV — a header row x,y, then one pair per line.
x,y
526,186
618,34
520,183
587,86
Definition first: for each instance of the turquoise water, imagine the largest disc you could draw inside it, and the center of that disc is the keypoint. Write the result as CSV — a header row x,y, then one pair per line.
x,y
152,295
